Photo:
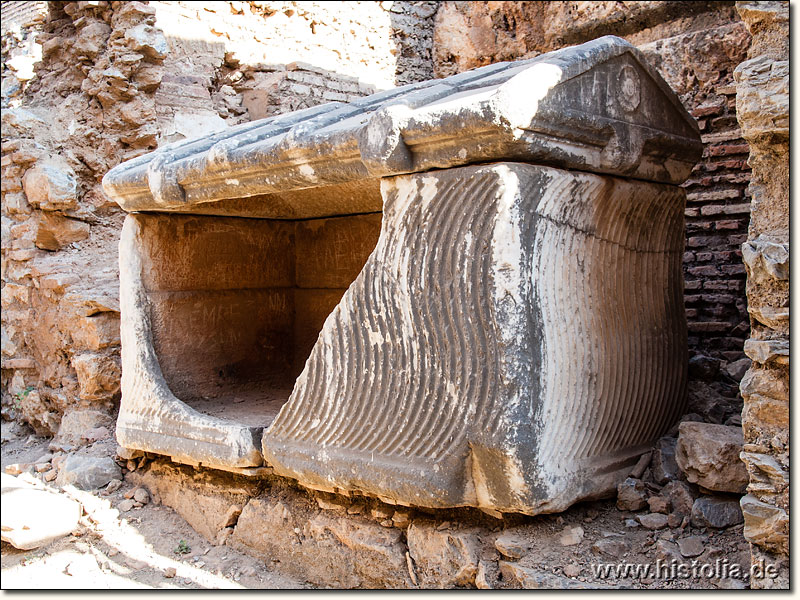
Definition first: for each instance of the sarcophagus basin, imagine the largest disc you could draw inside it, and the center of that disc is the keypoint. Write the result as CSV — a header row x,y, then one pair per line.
x,y
461,292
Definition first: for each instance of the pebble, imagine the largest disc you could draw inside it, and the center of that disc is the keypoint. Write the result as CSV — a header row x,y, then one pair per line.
x,y
141,496
223,535
691,546
443,525
510,546
42,467
387,523
125,505
481,579
572,570
667,551
355,509
631,495
658,504
716,512
44,458
571,536
326,504
631,523
401,519
88,472
653,520
382,513
170,572
50,475
113,486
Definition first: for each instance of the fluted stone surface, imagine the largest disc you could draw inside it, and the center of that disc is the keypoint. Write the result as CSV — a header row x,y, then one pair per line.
x,y
514,342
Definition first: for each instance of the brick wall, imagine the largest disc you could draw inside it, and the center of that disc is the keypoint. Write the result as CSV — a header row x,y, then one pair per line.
x,y
717,215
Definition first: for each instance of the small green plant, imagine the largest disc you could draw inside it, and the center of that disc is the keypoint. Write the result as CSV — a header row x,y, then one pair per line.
x,y
182,548
22,395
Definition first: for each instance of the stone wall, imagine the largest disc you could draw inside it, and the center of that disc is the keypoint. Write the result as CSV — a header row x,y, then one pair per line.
x,y
695,46
762,106
117,79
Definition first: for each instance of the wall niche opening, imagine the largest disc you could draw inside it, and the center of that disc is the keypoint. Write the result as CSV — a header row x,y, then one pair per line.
x,y
236,304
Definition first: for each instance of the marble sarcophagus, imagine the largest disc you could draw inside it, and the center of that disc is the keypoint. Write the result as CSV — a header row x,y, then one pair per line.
x,y
461,292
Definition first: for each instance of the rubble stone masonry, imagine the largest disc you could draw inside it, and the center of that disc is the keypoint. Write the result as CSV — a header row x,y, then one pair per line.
x,y
762,105
113,80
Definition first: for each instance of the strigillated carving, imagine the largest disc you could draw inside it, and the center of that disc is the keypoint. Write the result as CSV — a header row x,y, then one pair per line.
x,y
515,339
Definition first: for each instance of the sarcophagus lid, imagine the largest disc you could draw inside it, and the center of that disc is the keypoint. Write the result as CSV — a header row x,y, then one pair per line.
x,y
465,291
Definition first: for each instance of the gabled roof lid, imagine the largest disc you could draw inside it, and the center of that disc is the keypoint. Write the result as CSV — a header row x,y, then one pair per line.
x,y
596,107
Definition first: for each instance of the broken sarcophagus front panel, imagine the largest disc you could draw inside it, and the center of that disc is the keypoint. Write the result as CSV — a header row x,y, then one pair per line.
x,y
462,292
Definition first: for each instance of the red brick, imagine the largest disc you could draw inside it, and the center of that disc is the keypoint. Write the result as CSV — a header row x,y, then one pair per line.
x,y
691,313
692,227
715,195
704,256
728,121
723,225
736,164
724,136
691,299
718,298
726,150
692,212
692,285
723,285
709,326
704,110
710,210
732,178
733,269
688,257
727,255
704,271
703,181
704,241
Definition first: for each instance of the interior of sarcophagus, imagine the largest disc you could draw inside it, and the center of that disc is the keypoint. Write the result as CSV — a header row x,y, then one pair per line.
x,y
236,304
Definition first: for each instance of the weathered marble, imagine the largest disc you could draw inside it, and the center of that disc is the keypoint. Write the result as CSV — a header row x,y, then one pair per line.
x,y
515,339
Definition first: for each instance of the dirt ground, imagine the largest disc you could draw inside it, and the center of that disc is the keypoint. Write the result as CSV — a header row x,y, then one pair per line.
x,y
132,550
140,548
